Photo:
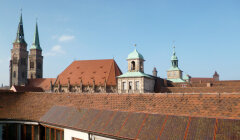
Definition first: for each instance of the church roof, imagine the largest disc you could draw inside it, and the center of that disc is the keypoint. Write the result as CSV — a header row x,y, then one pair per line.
x,y
135,55
174,57
20,32
173,68
134,74
88,71
36,42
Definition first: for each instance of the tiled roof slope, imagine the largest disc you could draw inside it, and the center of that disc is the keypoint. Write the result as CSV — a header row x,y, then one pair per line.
x,y
89,70
43,83
198,79
32,106
226,89
142,126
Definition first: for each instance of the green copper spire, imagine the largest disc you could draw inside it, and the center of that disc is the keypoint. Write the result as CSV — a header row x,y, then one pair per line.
x,y
20,32
174,59
36,42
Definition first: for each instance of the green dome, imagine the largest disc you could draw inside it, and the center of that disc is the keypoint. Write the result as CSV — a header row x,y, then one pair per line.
x,y
135,55
174,57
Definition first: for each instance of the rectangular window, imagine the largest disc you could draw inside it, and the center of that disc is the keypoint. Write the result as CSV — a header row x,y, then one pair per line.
x,y
124,87
130,86
137,85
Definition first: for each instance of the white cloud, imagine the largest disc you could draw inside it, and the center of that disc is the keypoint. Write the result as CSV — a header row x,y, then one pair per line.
x,y
57,49
65,38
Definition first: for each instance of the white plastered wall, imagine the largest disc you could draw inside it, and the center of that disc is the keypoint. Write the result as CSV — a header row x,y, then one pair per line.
x,y
69,134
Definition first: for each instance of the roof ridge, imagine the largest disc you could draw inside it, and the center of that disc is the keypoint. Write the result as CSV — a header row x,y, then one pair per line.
x,y
93,60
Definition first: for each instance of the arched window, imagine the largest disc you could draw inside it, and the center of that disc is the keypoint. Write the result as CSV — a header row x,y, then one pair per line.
x,y
133,65
141,66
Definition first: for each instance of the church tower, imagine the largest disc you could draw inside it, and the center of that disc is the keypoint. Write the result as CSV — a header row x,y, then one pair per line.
x,y
35,64
19,58
135,80
135,62
174,74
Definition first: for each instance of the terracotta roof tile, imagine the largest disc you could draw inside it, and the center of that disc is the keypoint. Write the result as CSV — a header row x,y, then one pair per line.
x,y
201,128
89,70
198,79
132,125
43,83
34,105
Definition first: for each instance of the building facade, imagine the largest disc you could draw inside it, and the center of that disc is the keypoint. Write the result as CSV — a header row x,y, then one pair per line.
x,y
135,80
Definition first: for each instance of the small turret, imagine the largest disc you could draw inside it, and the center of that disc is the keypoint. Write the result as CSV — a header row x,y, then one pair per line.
x,y
154,72
216,76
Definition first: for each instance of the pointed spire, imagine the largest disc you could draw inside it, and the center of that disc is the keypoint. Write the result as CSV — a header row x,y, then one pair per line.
x,y
20,32
174,53
36,42
174,58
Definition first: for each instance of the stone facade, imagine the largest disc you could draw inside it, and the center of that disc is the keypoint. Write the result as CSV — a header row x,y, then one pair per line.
x,y
19,59
135,80
174,74
35,64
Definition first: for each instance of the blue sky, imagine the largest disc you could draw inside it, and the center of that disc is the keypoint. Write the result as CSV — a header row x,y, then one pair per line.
x,y
206,33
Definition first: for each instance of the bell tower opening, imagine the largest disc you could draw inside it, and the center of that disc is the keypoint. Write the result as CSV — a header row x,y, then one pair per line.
x,y
133,65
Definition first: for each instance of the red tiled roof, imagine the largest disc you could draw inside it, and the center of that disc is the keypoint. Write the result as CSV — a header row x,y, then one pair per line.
x,y
43,83
89,70
32,106
142,126
198,79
